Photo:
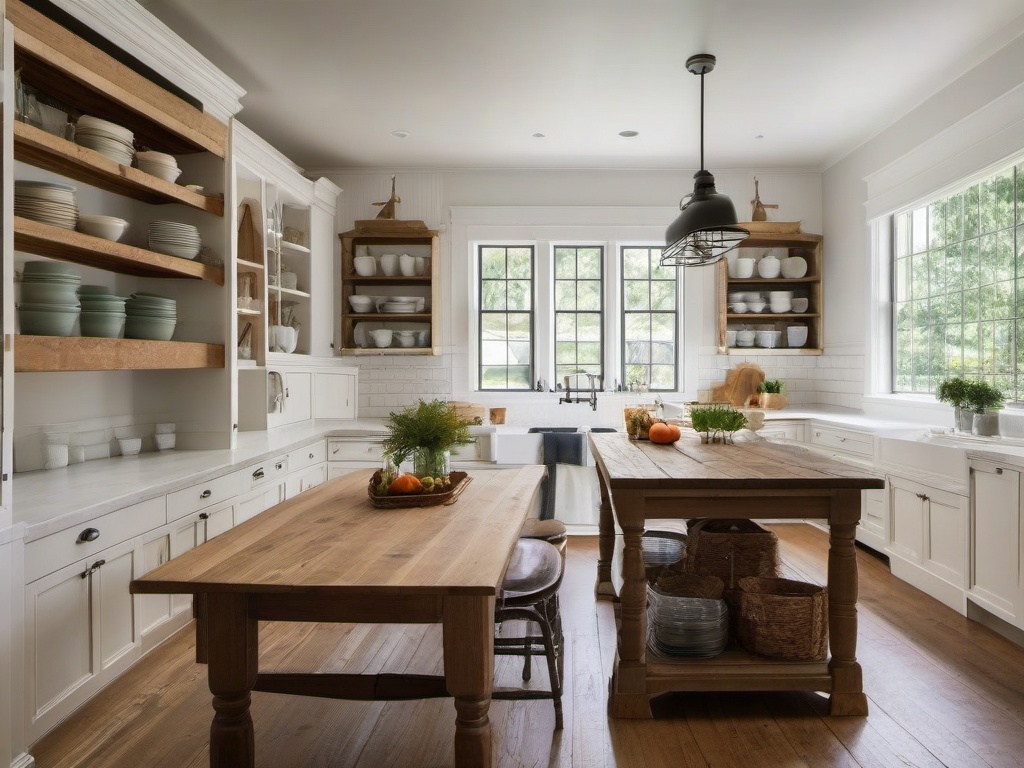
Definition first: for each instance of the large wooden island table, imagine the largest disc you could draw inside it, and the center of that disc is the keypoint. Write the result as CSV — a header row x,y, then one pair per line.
x,y
642,481
329,556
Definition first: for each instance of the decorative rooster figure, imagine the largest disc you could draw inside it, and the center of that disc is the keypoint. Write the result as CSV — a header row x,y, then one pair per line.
x,y
388,209
759,213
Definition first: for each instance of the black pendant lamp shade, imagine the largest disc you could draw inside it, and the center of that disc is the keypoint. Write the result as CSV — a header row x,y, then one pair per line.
x,y
706,226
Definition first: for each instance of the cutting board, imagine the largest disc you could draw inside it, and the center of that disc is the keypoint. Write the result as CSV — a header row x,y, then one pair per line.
x,y
741,382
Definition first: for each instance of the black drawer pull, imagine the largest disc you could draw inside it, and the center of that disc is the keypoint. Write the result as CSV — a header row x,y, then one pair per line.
x,y
279,465
204,515
259,474
311,456
206,494
89,534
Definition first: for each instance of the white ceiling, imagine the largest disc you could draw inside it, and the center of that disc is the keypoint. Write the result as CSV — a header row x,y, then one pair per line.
x,y
799,83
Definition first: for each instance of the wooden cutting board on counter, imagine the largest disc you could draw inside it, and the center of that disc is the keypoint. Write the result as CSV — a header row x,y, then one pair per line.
x,y
741,382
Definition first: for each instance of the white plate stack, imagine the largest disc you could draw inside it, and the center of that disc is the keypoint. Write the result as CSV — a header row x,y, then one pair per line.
x,y
45,201
174,239
158,164
109,139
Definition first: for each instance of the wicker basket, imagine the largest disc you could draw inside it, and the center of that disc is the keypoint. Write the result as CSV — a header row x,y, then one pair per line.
x,y
731,550
783,619
679,584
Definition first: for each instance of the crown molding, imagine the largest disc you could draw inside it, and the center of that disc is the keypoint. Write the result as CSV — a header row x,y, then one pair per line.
x,y
248,148
131,27
325,195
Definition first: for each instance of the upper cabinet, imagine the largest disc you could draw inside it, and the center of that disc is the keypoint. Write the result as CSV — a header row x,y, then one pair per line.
x,y
770,296
389,289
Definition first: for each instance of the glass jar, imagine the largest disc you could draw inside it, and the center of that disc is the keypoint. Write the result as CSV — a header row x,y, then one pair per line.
x,y
429,462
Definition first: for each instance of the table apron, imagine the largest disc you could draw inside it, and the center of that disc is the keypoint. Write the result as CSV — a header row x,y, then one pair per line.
x,y
704,503
396,609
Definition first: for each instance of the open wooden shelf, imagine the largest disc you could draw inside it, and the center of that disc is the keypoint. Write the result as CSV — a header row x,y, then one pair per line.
x,y
366,351
44,150
419,317
769,351
754,316
288,291
355,279
65,245
80,353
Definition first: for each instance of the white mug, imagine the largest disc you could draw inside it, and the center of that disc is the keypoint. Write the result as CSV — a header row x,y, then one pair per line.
x,y
407,264
381,337
389,264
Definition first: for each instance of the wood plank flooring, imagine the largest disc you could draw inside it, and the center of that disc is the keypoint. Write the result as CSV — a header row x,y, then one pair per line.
x,y
943,691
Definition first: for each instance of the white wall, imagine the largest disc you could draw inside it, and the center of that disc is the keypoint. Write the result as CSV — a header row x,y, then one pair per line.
x,y
387,383
971,124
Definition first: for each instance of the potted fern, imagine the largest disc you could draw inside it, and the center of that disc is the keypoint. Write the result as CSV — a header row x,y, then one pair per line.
x,y
954,390
426,432
985,401
716,423
770,394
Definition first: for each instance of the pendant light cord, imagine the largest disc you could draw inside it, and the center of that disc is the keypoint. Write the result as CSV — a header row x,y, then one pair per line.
x,y
702,121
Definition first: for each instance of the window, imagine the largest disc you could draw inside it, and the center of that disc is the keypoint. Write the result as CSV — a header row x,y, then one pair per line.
x,y
579,305
649,320
506,317
958,288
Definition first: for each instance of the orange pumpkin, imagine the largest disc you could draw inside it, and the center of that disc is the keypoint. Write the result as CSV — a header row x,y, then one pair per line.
x,y
405,483
663,433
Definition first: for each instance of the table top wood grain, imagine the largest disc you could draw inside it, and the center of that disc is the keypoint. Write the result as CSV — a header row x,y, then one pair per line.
x,y
331,540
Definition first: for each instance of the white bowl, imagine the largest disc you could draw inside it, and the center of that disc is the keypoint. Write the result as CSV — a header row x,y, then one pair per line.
x,y
796,335
750,296
773,295
366,266
780,307
389,264
800,305
361,303
738,307
164,442
745,339
382,337
161,172
794,267
130,446
107,227
768,339
756,306
743,268
730,338
406,341
769,267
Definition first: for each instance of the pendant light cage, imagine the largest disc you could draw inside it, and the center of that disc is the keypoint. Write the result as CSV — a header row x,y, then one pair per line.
x,y
705,229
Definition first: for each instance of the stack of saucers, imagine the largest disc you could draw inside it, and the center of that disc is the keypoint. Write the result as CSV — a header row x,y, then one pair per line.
x,y
49,302
158,164
174,239
46,201
109,139
150,316
102,312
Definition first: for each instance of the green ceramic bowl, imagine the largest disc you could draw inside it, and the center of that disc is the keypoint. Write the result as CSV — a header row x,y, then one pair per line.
x,y
109,325
157,329
36,322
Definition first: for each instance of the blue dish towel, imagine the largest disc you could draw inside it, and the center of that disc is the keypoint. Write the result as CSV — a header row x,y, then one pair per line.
x,y
562,445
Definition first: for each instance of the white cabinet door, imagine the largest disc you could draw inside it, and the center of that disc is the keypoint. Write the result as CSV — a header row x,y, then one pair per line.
x,y
308,478
945,551
154,610
219,520
906,509
996,540
873,529
334,396
252,504
298,400
114,606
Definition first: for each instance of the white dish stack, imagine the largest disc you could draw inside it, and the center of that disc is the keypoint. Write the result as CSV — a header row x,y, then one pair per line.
x,y
109,139
158,164
47,202
174,239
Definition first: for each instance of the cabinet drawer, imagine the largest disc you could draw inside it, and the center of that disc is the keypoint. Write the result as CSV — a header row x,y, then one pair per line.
x,y
355,449
314,453
188,500
843,440
266,471
57,550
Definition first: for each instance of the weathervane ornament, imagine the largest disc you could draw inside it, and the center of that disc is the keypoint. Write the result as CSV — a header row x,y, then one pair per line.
x,y
759,213
387,210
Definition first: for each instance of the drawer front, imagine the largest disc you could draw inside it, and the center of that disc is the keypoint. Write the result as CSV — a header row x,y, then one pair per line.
x,y
781,431
314,453
842,440
266,472
58,550
215,491
355,450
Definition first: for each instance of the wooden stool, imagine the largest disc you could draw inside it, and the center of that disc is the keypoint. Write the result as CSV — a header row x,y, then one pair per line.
x,y
551,531
530,593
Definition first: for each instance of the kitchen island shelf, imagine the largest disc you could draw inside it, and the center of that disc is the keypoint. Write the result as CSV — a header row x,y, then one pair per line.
x,y
52,153
36,354
736,670
66,245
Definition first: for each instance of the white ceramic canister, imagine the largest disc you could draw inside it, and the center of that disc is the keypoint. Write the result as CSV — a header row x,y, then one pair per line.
x,y
744,268
745,338
769,266
730,338
407,264
56,455
366,266
796,335
794,267
422,265
389,264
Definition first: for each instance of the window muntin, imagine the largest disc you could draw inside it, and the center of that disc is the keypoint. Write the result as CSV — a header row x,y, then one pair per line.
x,y
649,320
958,288
579,310
506,317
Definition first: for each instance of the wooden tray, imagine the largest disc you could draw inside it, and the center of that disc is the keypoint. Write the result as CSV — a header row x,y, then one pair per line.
x,y
459,482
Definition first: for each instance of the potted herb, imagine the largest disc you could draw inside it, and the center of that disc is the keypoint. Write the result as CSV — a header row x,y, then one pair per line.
x,y
716,423
954,390
770,394
985,401
426,432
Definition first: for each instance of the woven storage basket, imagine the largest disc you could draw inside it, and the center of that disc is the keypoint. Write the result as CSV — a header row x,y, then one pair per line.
x,y
662,550
679,584
731,550
783,619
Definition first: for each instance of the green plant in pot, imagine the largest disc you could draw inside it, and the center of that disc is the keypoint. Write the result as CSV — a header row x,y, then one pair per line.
x,y
716,423
426,432
770,394
984,400
954,390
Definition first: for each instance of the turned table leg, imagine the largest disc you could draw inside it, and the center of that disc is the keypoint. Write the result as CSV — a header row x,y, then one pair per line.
x,y
232,656
469,675
605,590
847,682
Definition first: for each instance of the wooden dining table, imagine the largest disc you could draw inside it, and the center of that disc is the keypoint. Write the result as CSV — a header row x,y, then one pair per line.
x,y
328,555
754,479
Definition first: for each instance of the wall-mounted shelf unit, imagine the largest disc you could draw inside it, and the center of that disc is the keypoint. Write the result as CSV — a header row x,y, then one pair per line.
x,y
72,353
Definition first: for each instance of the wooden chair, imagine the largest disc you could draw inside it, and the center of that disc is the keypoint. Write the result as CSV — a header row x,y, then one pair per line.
x,y
530,594
551,531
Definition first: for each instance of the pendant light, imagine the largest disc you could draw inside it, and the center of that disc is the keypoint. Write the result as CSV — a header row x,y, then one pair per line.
x,y
706,226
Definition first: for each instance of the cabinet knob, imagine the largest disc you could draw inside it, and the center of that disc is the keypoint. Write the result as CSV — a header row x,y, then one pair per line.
x,y
280,464
922,496
311,456
204,515
999,470
89,534
206,494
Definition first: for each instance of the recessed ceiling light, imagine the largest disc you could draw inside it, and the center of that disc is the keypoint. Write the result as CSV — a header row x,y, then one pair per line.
x,y
759,136
629,134
400,134
539,136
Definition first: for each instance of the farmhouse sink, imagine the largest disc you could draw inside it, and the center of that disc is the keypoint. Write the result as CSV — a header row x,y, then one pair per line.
x,y
917,449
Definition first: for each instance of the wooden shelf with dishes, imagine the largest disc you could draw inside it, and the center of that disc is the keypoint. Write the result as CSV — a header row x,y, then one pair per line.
x,y
780,331
396,260
38,354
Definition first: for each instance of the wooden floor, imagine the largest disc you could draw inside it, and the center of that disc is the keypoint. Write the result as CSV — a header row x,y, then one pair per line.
x,y
943,691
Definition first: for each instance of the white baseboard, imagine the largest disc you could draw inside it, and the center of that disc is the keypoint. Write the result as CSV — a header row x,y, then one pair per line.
x,y
24,761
